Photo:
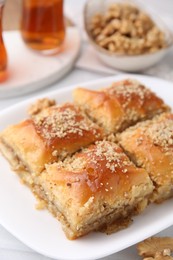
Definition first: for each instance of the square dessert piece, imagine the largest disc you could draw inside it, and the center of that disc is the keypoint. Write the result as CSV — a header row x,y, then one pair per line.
x,y
93,189
119,106
150,145
47,137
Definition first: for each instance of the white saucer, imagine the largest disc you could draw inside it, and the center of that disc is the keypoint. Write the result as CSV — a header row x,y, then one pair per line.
x,y
30,70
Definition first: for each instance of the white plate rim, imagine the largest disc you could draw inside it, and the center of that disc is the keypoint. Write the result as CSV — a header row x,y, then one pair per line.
x,y
106,80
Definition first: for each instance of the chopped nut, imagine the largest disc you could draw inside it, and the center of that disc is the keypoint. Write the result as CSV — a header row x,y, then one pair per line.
x,y
161,133
159,248
111,47
64,120
125,29
39,105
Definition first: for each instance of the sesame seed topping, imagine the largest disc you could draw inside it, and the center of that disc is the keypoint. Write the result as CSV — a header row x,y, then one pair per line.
x,y
127,89
95,158
158,130
72,164
63,121
110,153
132,95
161,133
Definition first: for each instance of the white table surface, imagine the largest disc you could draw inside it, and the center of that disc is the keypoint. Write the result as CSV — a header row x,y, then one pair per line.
x,y
10,247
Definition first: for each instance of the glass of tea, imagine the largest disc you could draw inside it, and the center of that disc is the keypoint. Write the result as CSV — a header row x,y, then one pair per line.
x,y
3,53
42,25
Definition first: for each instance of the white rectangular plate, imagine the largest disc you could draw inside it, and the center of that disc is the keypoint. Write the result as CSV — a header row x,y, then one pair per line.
x,y
40,230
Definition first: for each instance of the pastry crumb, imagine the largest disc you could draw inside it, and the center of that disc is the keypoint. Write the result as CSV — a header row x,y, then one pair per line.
x,y
125,29
39,105
40,204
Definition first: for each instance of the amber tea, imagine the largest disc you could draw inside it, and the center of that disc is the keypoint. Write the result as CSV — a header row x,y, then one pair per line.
x,y
43,24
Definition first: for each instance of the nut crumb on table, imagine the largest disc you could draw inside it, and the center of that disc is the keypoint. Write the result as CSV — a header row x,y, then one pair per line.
x,y
159,248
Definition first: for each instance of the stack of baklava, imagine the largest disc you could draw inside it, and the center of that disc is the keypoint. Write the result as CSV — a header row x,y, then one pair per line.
x,y
97,162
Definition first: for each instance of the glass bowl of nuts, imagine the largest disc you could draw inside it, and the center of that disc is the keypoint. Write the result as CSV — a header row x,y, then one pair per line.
x,y
125,34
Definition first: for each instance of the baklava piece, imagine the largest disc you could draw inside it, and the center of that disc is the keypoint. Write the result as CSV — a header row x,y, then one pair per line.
x,y
94,188
47,137
119,106
150,145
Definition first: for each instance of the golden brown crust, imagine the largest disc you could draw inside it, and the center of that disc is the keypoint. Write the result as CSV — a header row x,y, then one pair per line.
x,y
87,168
119,106
53,134
150,145
99,184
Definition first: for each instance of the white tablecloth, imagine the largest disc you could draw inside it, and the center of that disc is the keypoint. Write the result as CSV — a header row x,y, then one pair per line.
x,y
10,247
